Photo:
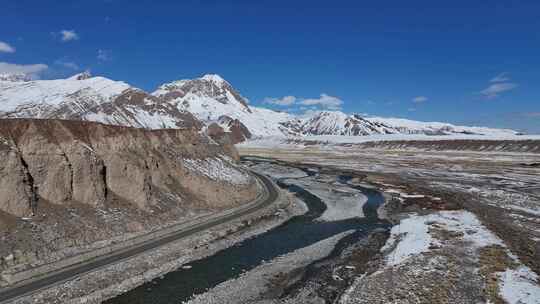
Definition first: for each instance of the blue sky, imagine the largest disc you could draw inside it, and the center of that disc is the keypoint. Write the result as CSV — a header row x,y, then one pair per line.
x,y
466,62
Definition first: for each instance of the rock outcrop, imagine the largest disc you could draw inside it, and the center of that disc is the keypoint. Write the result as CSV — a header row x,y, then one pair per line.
x,y
66,162
68,187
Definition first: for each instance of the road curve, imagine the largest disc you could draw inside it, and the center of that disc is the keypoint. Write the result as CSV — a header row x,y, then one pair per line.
x,y
71,272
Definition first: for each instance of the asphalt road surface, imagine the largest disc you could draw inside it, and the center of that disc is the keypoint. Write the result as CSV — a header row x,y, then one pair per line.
x,y
76,270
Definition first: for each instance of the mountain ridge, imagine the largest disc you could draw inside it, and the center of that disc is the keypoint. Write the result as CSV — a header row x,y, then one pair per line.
x,y
208,101
82,97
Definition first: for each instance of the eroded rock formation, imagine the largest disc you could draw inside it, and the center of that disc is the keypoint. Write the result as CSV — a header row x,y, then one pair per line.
x,y
66,162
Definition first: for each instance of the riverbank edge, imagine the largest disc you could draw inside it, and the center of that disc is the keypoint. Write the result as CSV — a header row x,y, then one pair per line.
x,y
368,248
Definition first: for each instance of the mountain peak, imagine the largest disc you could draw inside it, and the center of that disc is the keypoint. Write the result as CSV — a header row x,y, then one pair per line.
x,y
81,76
204,92
215,78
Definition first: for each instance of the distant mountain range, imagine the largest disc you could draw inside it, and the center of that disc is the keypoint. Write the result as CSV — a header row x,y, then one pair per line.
x,y
210,103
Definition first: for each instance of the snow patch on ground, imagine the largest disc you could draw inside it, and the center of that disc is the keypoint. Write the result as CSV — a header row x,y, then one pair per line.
x,y
520,286
412,237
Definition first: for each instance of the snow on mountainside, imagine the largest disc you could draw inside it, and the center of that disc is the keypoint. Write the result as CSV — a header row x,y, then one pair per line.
x,y
82,97
336,123
209,101
341,124
436,128
14,77
213,100
41,94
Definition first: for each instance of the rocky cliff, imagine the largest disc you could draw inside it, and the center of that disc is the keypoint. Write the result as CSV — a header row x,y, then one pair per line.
x,y
71,183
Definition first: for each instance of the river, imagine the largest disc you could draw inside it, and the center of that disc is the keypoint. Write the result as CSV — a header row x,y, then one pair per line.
x,y
298,232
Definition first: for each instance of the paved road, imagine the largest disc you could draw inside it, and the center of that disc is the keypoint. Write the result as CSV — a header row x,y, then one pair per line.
x,y
74,271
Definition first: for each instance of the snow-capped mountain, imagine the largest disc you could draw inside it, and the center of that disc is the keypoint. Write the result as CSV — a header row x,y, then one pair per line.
x,y
209,102
336,123
407,126
339,123
213,100
83,97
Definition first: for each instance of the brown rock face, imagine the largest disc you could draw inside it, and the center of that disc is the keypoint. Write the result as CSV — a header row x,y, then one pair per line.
x,y
15,185
75,162
216,132
238,132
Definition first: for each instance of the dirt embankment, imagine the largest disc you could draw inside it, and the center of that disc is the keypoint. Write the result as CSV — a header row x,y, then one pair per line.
x,y
67,184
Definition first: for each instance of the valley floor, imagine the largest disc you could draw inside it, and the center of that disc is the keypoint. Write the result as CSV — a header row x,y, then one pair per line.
x,y
467,229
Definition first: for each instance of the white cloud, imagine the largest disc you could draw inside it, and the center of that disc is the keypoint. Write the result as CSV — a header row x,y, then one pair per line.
x,y
496,89
324,101
499,84
6,48
420,99
67,64
502,77
104,55
32,70
69,35
283,101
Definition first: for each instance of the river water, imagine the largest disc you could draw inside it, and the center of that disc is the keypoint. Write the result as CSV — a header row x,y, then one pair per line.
x,y
298,232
